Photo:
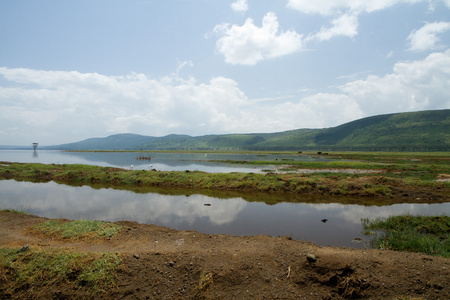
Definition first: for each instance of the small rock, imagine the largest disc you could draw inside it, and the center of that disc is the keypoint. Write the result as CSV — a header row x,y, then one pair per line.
x,y
136,256
171,263
311,258
179,242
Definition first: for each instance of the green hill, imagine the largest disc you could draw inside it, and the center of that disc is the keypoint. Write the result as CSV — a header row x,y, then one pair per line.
x,y
426,130
125,141
413,131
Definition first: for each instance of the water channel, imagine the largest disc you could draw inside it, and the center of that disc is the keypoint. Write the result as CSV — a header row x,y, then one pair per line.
x,y
222,214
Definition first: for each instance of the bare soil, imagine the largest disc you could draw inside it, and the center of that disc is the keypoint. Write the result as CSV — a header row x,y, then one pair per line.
x,y
161,263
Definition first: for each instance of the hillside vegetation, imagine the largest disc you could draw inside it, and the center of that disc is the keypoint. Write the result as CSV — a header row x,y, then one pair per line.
x,y
413,131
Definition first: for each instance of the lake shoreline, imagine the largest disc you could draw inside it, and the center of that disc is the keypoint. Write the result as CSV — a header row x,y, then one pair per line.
x,y
159,262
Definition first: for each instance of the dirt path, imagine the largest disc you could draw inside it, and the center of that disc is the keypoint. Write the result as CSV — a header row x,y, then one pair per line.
x,y
161,263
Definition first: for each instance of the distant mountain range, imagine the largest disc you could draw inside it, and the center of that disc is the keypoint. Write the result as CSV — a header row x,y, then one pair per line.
x,y
413,131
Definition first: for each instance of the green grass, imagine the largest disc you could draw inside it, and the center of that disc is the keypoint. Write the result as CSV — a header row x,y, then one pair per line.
x,y
79,229
418,169
412,167
36,269
338,164
425,234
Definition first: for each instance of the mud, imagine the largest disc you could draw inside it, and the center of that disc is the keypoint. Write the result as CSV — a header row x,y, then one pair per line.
x,y
161,263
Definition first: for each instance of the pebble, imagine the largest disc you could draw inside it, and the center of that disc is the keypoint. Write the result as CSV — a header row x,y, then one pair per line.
x,y
311,258
171,263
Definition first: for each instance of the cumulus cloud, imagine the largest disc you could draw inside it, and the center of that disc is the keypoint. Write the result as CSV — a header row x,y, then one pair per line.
x,y
249,44
345,13
344,25
412,86
85,104
58,106
329,7
70,106
426,37
240,5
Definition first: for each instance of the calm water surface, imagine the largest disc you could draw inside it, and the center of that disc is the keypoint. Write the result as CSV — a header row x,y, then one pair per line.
x,y
233,216
159,161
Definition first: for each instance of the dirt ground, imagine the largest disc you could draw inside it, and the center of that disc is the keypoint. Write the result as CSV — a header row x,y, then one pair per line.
x,y
161,263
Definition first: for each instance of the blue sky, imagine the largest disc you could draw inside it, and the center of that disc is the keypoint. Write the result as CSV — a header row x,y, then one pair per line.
x,y
71,70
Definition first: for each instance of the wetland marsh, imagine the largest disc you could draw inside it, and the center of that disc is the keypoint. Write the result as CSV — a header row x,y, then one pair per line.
x,y
337,190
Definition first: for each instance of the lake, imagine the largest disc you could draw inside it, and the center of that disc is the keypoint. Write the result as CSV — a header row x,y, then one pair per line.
x,y
159,161
222,215
234,215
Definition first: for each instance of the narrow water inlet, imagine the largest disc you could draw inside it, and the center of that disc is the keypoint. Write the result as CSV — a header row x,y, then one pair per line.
x,y
212,215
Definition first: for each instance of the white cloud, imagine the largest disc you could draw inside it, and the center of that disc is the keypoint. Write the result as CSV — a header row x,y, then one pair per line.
x,y
182,64
329,7
345,13
413,86
344,25
76,105
325,110
57,107
240,5
249,44
426,37
61,107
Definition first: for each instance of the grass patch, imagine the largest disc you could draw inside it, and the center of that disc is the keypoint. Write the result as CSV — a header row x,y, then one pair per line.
x,y
14,211
416,170
36,269
339,164
79,229
425,234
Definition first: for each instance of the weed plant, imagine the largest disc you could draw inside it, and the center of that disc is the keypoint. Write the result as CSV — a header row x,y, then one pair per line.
x,y
79,229
426,234
37,269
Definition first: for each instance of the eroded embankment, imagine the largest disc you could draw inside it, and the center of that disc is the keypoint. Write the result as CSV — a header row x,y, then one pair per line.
x,y
161,263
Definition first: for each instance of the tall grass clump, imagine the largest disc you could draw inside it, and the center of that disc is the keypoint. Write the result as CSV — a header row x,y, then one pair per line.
x,y
425,234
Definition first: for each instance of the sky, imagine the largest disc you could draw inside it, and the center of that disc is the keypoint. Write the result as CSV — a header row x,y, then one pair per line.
x,y
72,70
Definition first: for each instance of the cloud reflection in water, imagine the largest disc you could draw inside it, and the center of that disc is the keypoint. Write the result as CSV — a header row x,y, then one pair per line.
x,y
231,216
